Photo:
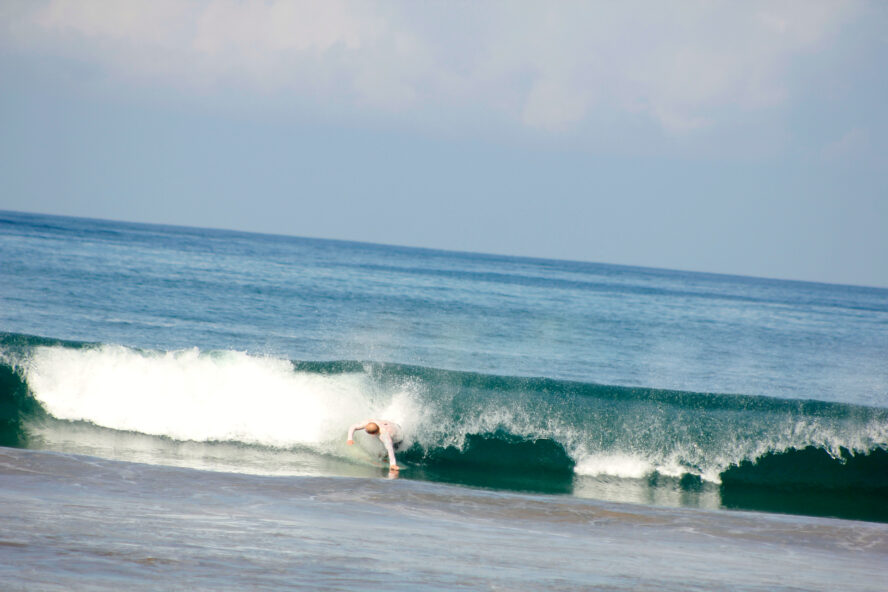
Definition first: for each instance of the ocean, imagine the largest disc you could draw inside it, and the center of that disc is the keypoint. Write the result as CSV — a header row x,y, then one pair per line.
x,y
174,404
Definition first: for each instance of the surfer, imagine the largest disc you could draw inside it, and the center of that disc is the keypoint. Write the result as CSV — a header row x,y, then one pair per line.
x,y
388,432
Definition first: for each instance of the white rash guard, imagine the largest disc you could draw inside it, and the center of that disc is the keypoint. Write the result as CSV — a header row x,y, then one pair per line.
x,y
389,434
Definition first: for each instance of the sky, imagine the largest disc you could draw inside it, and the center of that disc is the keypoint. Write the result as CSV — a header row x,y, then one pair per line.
x,y
730,137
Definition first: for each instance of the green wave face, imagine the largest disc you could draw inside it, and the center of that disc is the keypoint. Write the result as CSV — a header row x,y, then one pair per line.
x,y
520,433
15,404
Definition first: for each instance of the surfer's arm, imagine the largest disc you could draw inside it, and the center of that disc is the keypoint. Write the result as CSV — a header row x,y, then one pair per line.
x,y
351,431
387,442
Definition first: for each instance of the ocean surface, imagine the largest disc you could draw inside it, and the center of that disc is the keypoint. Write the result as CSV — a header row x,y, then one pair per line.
x,y
174,405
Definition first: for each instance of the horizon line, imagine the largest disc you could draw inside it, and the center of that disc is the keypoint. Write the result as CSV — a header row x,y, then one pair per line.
x,y
445,250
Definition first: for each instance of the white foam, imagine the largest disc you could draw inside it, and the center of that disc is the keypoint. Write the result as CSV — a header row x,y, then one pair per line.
x,y
193,395
625,466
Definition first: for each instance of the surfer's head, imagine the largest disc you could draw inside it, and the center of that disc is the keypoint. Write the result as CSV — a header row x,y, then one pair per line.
x,y
371,428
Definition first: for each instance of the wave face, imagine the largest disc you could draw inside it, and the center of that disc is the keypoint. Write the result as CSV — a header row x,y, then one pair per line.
x,y
522,433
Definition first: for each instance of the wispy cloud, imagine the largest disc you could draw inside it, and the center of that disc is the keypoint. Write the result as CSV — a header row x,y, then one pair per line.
x,y
680,66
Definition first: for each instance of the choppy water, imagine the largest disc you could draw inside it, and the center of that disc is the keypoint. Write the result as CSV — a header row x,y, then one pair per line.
x,y
583,405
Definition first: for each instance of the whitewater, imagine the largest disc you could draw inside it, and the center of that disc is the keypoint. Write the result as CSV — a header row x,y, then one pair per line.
x,y
168,377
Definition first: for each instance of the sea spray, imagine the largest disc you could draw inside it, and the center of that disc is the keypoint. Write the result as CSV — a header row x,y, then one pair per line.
x,y
190,395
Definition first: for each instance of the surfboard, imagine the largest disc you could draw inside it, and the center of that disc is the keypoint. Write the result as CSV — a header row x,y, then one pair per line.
x,y
370,449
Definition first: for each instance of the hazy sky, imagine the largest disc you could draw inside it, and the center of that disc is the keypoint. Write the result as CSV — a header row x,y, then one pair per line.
x,y
735,137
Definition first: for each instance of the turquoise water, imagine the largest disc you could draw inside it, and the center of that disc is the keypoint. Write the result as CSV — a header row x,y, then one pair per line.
x,y
237,361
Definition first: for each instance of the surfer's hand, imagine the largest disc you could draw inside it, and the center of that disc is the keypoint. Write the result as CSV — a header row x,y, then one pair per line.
x,y
349,442
394,468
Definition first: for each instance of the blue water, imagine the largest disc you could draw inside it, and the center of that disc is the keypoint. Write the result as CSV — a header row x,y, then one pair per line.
x,y
166,288
582,389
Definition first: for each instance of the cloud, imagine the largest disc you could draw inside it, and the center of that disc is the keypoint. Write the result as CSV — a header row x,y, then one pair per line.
x,y
554,104
681,66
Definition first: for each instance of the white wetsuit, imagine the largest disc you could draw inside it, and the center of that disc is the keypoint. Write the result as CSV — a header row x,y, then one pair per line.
x,y
389,434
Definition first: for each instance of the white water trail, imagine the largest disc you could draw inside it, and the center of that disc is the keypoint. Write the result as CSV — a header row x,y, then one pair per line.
x,y
191,395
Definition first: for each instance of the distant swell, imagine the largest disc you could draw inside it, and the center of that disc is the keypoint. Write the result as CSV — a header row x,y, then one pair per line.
x,y
513,432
